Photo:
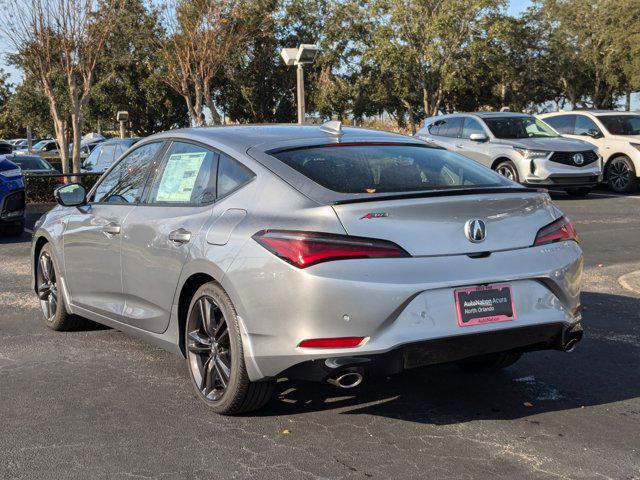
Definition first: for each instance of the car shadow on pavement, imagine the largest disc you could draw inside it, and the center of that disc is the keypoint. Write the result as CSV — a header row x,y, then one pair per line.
x,y
603,369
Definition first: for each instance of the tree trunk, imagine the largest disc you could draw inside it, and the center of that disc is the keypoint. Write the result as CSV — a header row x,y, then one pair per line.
x,y
215,116
627,102
76,128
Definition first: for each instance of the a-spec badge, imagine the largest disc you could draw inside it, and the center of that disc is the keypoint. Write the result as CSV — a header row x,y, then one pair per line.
x,y
371,215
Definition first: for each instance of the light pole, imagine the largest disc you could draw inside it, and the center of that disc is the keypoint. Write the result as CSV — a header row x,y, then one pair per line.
x,y
305,53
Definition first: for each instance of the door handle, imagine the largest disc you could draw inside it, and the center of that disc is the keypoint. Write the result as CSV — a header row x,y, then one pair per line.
x,y
180,236
460,146
111,229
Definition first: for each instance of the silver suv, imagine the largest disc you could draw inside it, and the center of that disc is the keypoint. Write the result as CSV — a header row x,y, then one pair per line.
x,y
520,147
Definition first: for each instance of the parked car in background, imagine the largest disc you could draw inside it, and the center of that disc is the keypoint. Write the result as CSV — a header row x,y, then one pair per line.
x,y
32,164
103,156
49,149
19,143
519,147
44,148
12,198
617,136
309,252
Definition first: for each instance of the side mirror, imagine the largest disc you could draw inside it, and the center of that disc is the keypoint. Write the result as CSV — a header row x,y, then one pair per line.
x,y
71,195
478,137
593,133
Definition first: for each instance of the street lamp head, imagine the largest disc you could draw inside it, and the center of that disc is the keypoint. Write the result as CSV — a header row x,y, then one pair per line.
x,y
306,54
289,56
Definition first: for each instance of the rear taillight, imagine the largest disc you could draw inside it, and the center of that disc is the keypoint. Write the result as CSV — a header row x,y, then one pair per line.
x,y
304,249
556,231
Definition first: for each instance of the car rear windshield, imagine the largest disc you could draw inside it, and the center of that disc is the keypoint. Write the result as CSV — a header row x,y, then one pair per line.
x,y
367,168
30,163
621,124
518,127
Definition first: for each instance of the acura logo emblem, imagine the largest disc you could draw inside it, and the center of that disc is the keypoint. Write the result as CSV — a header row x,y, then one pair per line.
x,y
578,158
475,230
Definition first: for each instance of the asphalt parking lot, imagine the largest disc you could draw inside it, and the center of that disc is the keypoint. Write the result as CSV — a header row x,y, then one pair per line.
x,y
99,404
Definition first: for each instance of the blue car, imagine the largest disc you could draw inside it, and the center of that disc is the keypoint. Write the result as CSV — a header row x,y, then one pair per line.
x,y
12,198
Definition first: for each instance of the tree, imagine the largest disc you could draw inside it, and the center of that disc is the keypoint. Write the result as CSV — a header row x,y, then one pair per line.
x,y
589,44
202,37
129,77
60,41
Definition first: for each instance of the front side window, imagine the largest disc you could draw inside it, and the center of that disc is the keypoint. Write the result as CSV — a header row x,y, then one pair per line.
x,y
518,127
621,124
563,124
186,176
585,126
231,175
470,127
125,182
388,168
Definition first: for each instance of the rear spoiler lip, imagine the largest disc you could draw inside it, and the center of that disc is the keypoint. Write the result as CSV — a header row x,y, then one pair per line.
x,y
438,193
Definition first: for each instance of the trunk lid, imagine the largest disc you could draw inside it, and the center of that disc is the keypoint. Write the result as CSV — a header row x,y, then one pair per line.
x,y
430,226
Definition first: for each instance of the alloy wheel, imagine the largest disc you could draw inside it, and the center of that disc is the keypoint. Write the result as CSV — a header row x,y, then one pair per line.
x,y
619,174
209,348
506,171
47,287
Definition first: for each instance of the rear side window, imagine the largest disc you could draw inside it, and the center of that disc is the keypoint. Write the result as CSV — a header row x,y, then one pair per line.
x,y
388,168
452,127
231,175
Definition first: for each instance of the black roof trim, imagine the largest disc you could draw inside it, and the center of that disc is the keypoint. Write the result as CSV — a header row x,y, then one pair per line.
x,y
437,193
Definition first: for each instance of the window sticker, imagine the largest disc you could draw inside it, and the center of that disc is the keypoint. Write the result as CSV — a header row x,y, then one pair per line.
x,y
179,177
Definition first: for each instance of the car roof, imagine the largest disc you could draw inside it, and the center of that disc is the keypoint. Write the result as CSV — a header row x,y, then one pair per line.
x,y
589,112
267,137
120,141
477,114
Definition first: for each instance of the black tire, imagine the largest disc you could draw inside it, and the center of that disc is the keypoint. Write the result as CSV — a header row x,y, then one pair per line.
x,y
508,169
227,395
489,363
48,288
578,191
621,175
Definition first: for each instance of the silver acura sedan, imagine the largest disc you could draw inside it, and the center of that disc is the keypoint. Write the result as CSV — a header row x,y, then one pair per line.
x,y
309,252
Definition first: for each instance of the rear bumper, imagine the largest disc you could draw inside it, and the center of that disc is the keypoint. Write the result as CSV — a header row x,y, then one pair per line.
x,y
391,302
550,336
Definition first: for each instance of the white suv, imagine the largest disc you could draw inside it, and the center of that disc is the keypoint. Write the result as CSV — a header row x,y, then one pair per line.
x,y
617,136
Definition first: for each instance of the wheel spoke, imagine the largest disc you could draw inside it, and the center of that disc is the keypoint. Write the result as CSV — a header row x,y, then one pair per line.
x,y
223,372
199,343
222,331
53,304
44,268
43,291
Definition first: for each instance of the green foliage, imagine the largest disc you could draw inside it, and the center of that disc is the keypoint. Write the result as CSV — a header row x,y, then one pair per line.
x,y
40,188
130,78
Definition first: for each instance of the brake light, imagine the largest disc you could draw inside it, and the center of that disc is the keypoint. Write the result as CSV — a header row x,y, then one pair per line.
x,y
303,249
556,231
343,342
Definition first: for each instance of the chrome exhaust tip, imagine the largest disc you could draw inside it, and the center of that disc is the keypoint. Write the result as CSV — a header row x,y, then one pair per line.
x,y
347,380
571,345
